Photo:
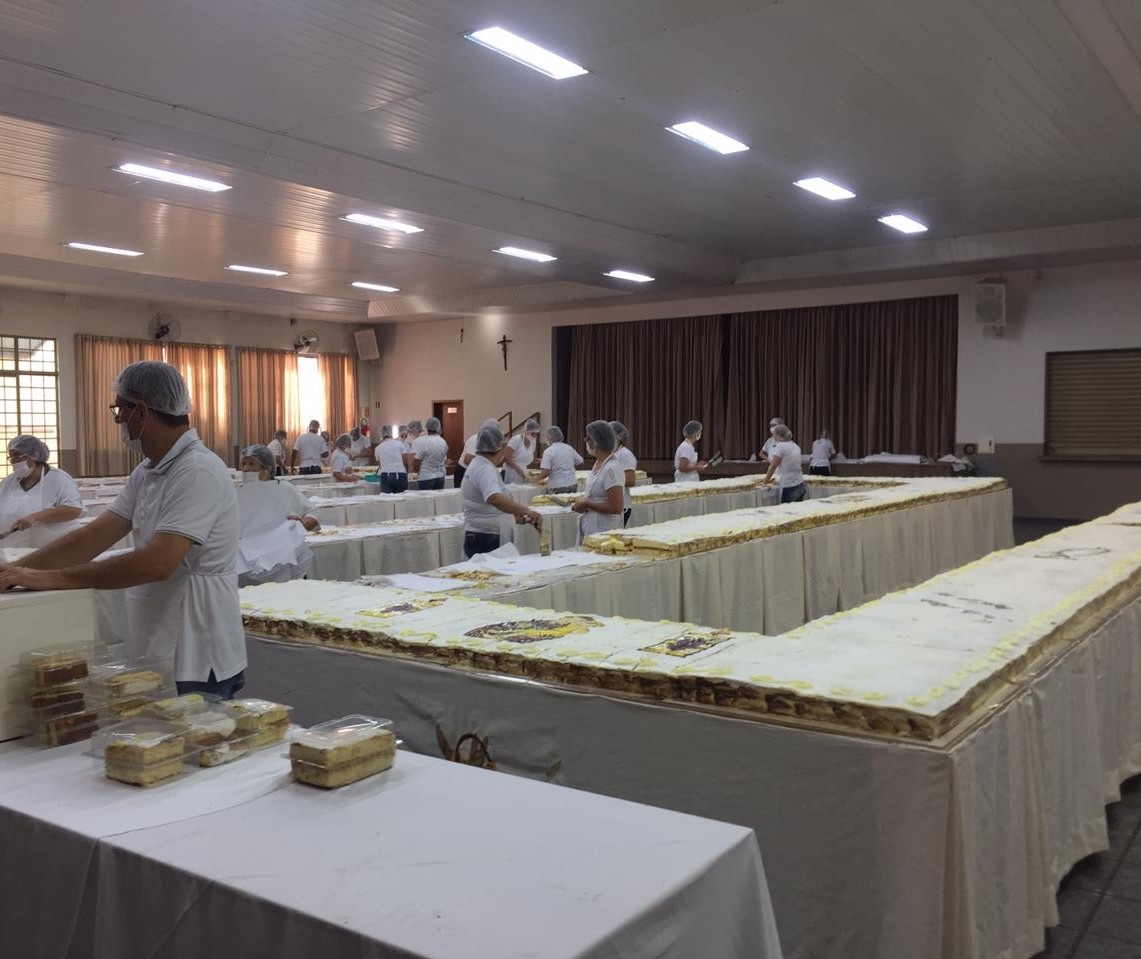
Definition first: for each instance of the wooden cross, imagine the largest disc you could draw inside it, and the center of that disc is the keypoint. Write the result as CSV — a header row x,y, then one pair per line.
x,y
503,346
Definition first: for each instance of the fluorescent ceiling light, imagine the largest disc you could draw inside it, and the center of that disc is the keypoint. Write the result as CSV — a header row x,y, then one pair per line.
x,y
169,176
382,223
93,248
260,270
825,188
526,254
903,223
525,52
707,137
629,275
379,287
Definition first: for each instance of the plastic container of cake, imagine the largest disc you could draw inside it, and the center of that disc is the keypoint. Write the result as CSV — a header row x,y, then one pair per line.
x,y
264,722
55,666
213,736
343,751
144,752
48,695
122,690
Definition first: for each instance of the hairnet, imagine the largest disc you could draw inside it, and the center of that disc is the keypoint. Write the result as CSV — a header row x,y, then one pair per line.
x,y
531,426
776,421
492,424
314,425
280,435
432,424
602,435
554,434
415,426
355,432
782,431
157,384
692,428
30,446
344,441
490,440
261,454
825,435
386,432
620,432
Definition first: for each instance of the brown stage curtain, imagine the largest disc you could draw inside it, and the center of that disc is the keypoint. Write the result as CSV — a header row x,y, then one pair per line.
x,y
267,395
339,373
206,370
98,360
652,376
879,376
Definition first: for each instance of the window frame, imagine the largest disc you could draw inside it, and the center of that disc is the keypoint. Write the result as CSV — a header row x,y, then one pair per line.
x,y
1047,455
14,375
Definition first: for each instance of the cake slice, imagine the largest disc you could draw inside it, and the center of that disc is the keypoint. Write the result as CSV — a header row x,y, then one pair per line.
x,y
336,757
260,722
223,753
210,727
336,776
149,775
54,670
175,707
143,749
71,728
134,683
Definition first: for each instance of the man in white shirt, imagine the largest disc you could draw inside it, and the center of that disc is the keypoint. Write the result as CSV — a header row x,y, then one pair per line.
x,y
182,609
361,448
557,467
785,462
310,450
823,452
277,447
430,455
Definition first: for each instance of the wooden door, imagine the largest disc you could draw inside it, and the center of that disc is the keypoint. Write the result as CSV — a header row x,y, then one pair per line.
x,y
450,413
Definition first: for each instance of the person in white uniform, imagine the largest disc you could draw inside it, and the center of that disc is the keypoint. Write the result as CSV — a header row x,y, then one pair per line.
x,y
35,493
687,467
767,448
390,463
272,555
255,466
557,467
601,507
341,462
430,456
785,462
629,463
310,450
181,506
277,447
823,452
361,450
485,498
521,453
468,453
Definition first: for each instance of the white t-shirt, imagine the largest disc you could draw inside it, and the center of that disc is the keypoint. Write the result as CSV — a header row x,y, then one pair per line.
x,y
277,448
481,481
687,451
770,445
628,461
521,453
296,502
390,456
431,450
360,449
191,622
598,484
339,462
561,459
789,472
55,488
311,448
822,453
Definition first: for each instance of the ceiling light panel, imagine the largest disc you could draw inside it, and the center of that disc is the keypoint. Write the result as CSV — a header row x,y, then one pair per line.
x,y
707,137
378,287
171,176
825,188
382,223
96,248
527,53
259,270
526,254
630,275
903,223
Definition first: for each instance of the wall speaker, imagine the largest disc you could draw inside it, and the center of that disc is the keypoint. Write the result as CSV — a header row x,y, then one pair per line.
x,y
367,348
990,303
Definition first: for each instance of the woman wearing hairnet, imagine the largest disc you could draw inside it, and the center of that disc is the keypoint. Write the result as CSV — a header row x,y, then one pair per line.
x,y
266,553
600,509
390,463
257,465
521,452
485,499
687,467
559,463
35,492
341,462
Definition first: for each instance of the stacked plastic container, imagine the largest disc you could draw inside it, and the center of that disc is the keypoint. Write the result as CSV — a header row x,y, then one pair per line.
x,y
51,692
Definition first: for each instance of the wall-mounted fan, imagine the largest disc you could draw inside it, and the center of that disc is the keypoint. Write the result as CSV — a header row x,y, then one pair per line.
x,y
164,328
305,342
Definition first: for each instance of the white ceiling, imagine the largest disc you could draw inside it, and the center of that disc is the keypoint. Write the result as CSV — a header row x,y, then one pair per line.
x,y
979,117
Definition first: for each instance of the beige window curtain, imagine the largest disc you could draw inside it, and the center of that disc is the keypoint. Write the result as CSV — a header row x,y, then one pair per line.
x,y
99,360
268,397
339,373
206,370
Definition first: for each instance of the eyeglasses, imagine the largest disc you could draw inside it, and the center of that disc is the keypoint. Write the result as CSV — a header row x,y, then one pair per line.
x,y
117,408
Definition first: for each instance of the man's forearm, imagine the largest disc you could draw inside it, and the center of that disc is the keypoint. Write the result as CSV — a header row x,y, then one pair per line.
x,y
79,547
118,572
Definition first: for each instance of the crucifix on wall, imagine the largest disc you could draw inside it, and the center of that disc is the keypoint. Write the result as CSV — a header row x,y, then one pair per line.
x,y
503,346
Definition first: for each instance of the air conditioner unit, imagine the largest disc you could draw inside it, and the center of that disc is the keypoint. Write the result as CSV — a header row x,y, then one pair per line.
x,y
990,303
367,348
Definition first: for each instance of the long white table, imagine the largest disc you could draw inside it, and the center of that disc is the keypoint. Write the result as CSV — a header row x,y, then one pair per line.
x,y
430,859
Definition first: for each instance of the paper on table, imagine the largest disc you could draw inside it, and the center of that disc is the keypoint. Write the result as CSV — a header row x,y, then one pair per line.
x,y
426,584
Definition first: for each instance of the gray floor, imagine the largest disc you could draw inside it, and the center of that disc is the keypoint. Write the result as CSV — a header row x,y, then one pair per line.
x,y
1100,900
1026,530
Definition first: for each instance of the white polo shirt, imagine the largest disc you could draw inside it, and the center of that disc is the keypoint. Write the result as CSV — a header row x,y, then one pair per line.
x,y
311,447
431,450
191,622
277,448
686,450
628,461
522,454
561,459
339,462
481,481
390,457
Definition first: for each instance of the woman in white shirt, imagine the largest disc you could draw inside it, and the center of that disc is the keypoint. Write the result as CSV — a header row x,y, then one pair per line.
x,y
785,462
390,463
341,461
521,453
35,492
823,452
687,467
275,555
557,467
629,464
361,449
601,507
259,460
469,453
430,456
485,499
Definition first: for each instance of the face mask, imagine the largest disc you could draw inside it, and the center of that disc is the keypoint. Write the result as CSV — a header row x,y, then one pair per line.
x,y
591,449
250,477
23,469
134,445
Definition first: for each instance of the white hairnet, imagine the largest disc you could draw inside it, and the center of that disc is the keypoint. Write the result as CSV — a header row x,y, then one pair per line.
x,y
602,435
780,431
490,440
262,454
432,424
531,426
490,424
30,446
554,434
159,385
620,431
692,428
344,441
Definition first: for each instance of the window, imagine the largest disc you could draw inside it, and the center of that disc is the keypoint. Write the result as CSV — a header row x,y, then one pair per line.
x,y
1093,405
29,393
311,392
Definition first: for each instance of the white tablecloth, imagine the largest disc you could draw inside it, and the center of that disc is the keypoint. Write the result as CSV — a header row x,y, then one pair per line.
x,y
430,859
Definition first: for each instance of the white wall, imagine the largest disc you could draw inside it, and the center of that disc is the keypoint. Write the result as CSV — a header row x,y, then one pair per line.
x,y
27,313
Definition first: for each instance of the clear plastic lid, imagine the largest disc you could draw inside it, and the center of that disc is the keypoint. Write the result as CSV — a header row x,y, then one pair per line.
x,y
122,679
175,707
262,709
343,732
55,665
62,729
141,742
